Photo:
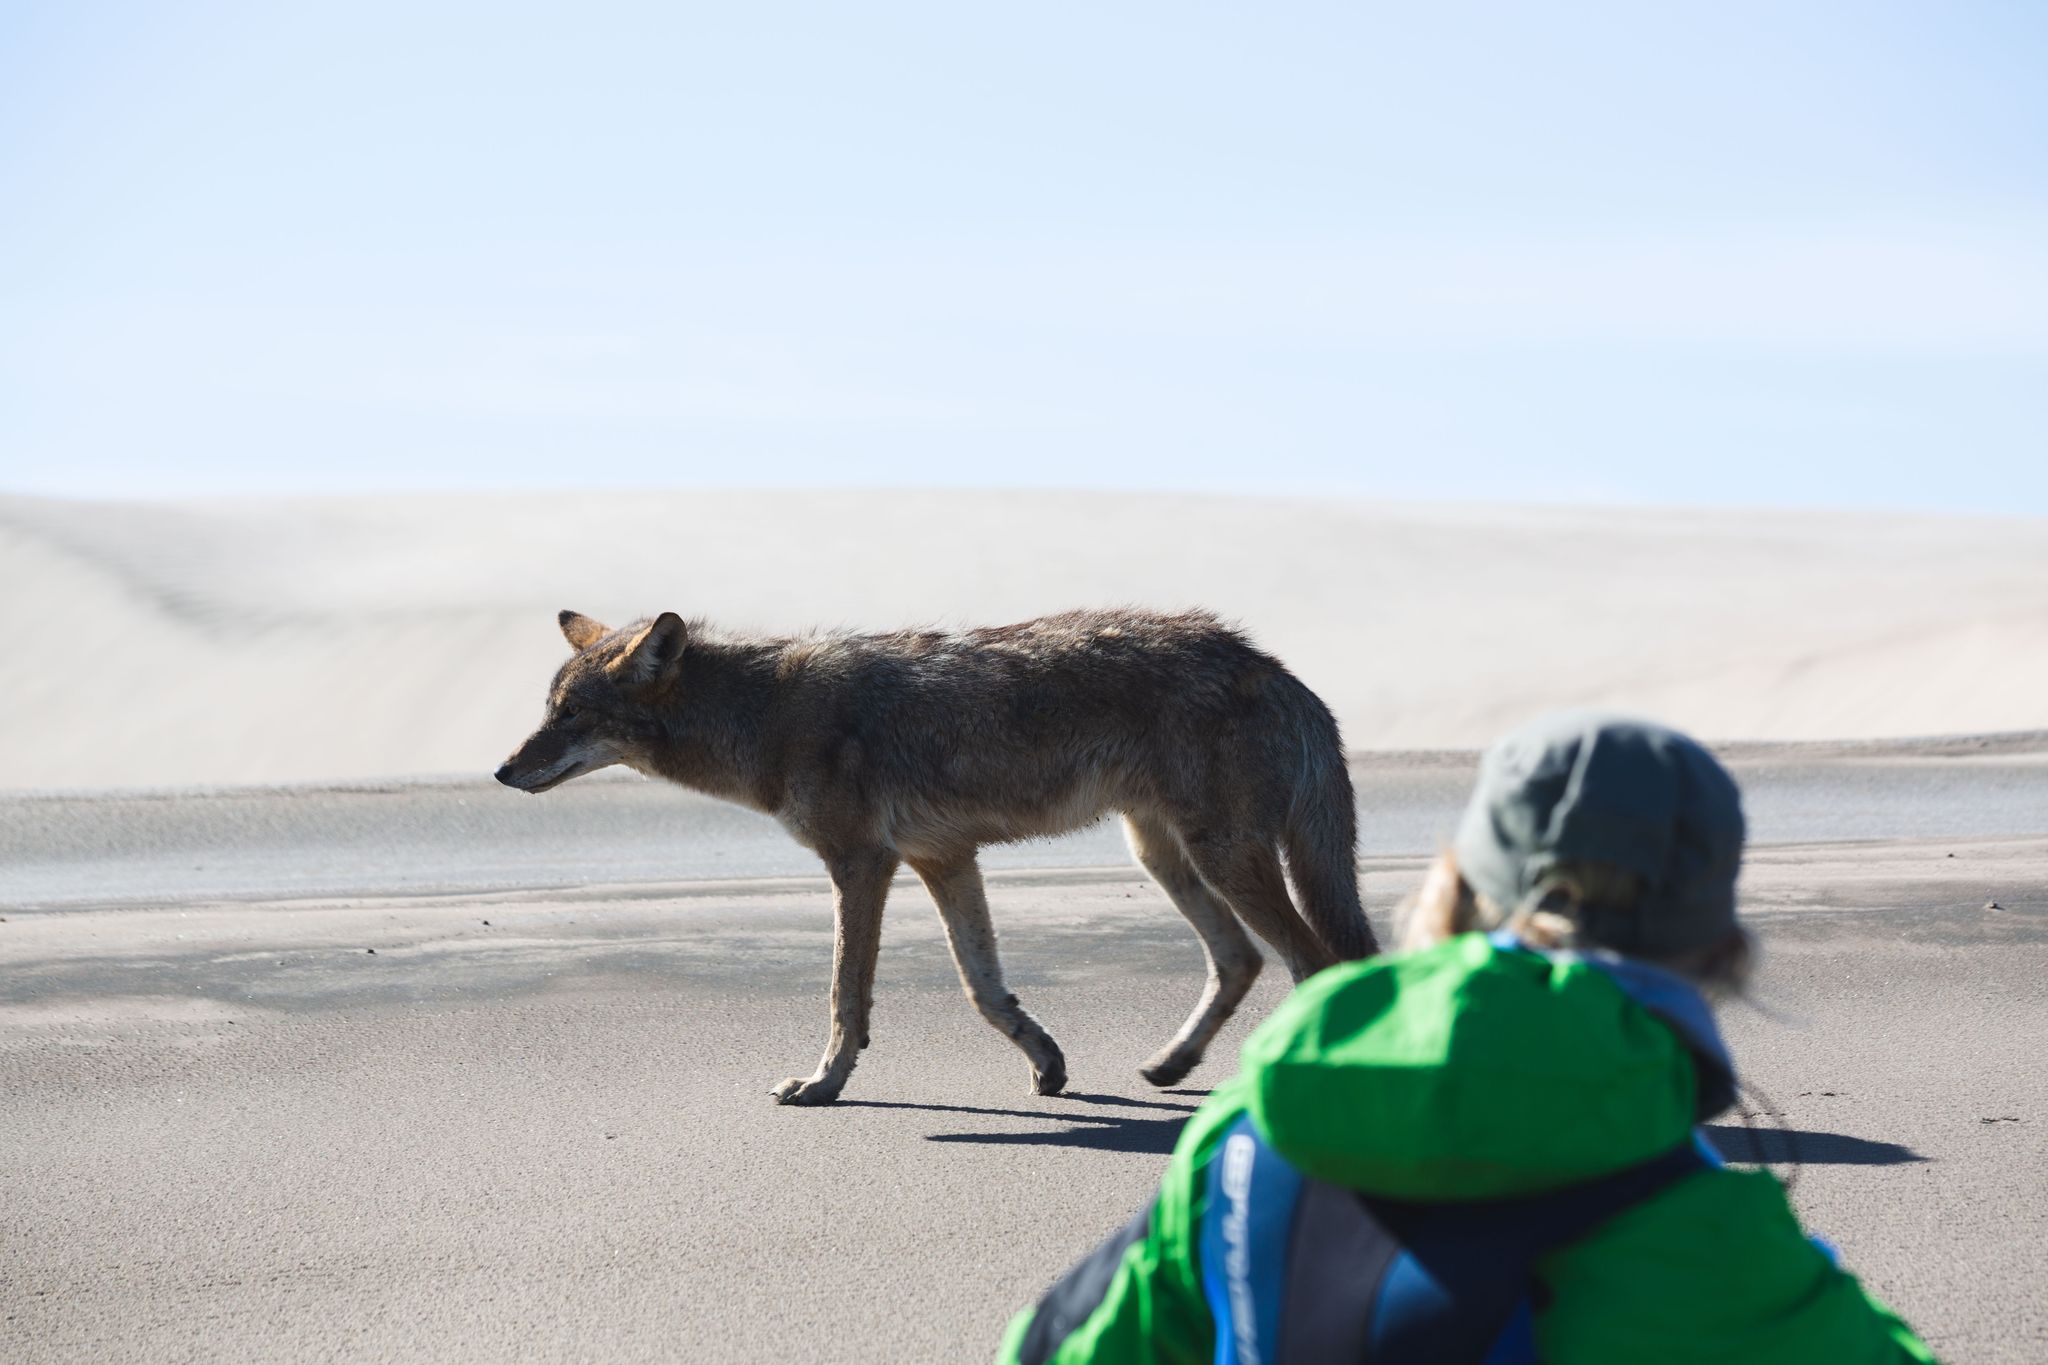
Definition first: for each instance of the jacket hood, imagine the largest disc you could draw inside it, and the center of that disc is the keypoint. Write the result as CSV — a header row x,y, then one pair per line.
x,y
1480,1069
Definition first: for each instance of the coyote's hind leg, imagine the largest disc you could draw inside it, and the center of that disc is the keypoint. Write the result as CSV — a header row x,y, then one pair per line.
x,y
955,884
1246,873
860,882
1233,961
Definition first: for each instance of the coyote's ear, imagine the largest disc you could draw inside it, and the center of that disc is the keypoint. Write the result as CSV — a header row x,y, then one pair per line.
x,y
580,631
655,652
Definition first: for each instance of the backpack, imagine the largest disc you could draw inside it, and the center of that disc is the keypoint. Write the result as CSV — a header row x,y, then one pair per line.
x,y
1298,1271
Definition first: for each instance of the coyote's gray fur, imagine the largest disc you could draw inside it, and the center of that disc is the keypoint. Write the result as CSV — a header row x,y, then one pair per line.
x,y
920,746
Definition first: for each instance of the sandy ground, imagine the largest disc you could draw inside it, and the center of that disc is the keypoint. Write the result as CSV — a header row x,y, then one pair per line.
x,y
286,641
533,1122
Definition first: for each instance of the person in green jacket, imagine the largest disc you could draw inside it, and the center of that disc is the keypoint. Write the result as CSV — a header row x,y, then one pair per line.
x,y
1483,1149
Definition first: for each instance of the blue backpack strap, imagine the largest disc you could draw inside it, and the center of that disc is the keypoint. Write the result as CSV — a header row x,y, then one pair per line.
x,y
1244,1244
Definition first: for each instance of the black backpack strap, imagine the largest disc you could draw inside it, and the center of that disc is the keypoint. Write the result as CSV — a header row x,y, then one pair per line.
x,y
1336,1260
1464,1269
1079,1292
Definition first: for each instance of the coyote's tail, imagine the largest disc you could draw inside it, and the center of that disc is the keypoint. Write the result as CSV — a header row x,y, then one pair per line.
x,y
1321,840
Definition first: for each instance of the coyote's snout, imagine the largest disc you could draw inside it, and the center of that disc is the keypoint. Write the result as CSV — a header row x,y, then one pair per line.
x,y
552,755
918,747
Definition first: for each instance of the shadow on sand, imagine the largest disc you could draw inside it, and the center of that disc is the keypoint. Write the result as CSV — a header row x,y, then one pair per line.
x,y
1152,1130
1801,1147
1157,1124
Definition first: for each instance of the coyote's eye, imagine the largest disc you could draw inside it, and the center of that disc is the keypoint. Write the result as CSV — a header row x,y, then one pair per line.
x,y
565,717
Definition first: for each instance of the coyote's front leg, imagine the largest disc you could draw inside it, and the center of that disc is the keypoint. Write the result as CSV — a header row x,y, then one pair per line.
x,y
955,884
860,884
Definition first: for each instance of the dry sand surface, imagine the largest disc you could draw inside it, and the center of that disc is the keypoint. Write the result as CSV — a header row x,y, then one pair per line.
x,y
533,1125
281,641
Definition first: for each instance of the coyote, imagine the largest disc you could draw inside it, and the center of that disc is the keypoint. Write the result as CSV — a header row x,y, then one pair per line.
x,y
919,746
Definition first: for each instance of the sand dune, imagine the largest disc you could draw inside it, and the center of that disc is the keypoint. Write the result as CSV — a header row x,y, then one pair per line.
x,y
300,640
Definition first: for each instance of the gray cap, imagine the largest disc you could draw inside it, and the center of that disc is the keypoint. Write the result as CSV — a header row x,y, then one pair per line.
x,y
1586,787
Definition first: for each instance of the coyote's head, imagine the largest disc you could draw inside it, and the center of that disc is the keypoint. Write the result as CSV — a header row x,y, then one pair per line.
x,y
599,710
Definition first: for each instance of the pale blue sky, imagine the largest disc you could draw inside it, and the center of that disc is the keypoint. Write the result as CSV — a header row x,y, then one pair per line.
x,y
1728,253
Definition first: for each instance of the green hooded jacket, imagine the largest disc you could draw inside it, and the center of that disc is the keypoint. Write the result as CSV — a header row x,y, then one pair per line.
x,y
1479,1069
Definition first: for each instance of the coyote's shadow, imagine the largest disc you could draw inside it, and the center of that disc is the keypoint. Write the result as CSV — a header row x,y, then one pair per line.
x,y
1109,1127
1152,1133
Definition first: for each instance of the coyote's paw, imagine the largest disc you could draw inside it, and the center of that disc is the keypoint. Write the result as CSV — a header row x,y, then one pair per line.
x,y
1048,1065
807,1090
1167,1070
